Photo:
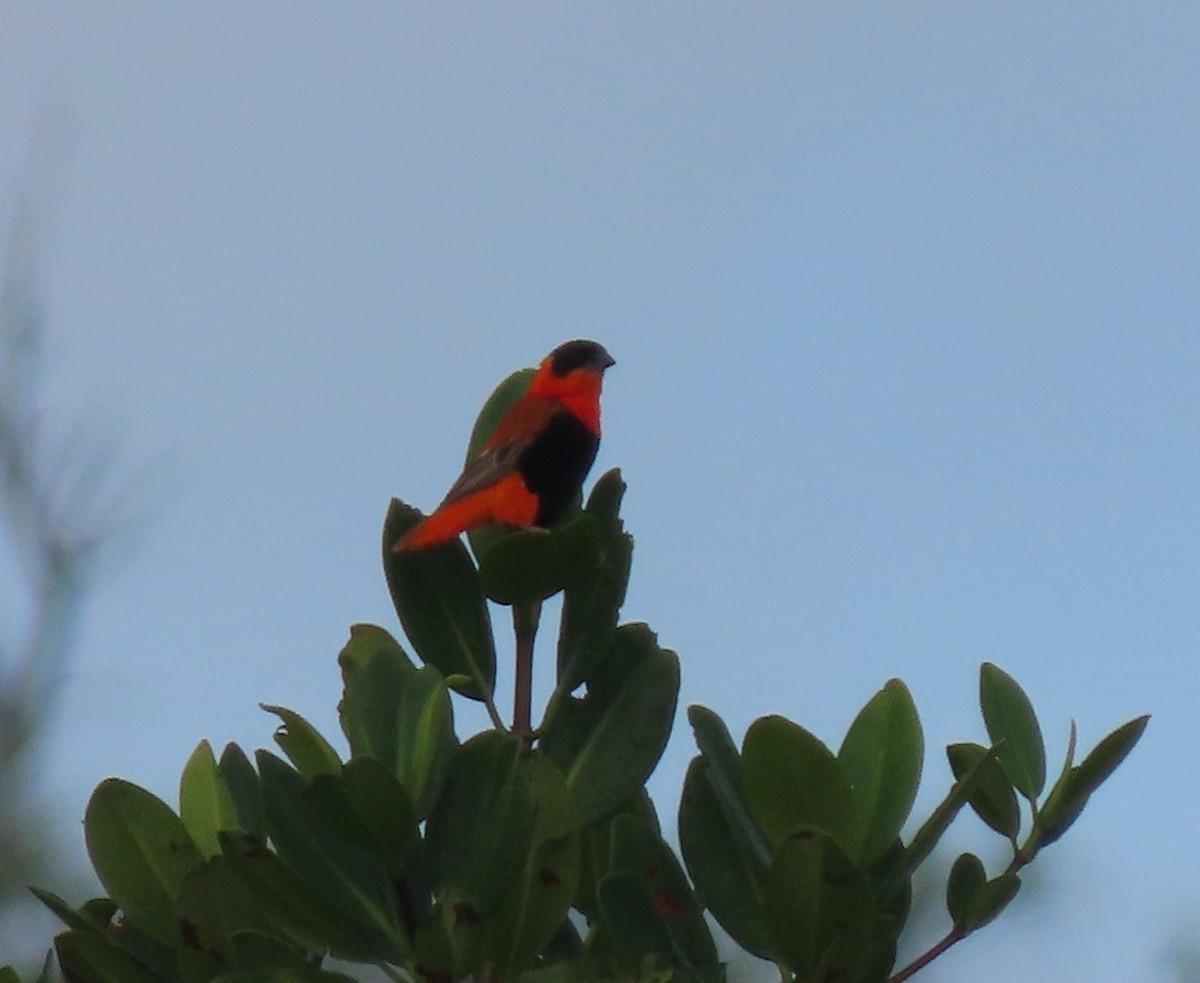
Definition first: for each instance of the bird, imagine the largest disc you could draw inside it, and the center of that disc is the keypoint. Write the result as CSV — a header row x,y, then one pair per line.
x,y
534,463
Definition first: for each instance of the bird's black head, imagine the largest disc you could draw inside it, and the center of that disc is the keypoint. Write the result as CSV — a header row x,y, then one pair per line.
x,y
579,354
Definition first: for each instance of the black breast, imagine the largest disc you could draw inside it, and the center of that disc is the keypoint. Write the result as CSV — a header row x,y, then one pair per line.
x,y
556,463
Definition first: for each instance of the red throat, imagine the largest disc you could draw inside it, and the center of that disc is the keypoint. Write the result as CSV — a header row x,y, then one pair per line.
x,y
578,391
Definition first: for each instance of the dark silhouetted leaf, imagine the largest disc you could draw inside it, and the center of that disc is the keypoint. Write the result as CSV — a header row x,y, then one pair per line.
x,y
383,808
479,835
987,902
636,932
316,834
725,775
992,796
723,860
258,950
293,906
967,878
639,851
441,605
818,907
1072,791
592,602
536,905
286,974
94,959
528,566
596,852
608,742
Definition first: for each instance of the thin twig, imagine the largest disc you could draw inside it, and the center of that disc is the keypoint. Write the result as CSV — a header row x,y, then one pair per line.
x,y
493,712
955,934
525,625
1021,858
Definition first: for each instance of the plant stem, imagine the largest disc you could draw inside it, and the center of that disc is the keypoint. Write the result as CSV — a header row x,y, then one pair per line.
x,y
493,712
923,960
525,626
1021,858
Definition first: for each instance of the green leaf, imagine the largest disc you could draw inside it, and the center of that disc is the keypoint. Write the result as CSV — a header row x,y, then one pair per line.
x,y
303,744
527,566
967,878
286,974
440,603
258,950
480,833
157,956
93,959
399,715
141,852
900,869
792,780
536,905
818,906
446,945
212,907
725,774
206,805
633,928
239,776
992,796
608,742
316,834
596,852
1072,791
639,937
987,902
592,602
1014,730
881,758
383,808
99,917
366,643
84,920
639,851
723,860
294,906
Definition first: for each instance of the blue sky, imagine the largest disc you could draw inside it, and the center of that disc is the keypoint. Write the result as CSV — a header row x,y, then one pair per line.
x,y
905,301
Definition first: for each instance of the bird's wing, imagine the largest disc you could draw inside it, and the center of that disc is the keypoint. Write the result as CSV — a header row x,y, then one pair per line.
x,y
517,429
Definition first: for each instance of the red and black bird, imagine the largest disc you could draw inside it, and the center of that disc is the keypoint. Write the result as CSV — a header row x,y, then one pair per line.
x,y
534,463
